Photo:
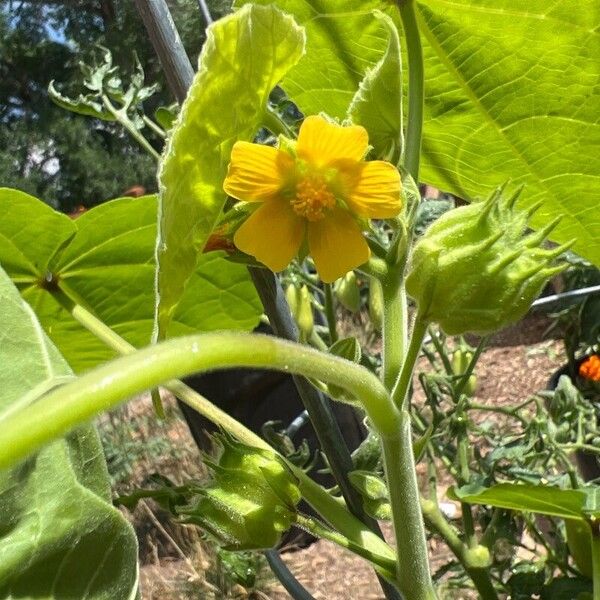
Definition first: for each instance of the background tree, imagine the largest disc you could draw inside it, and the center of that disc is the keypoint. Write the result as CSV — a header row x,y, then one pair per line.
x,y
66,159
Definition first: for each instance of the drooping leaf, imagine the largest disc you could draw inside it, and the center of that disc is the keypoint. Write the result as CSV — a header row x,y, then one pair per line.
x,y
347,348
510,93
105,261
377,105
545,500
60,536
343,41
245,55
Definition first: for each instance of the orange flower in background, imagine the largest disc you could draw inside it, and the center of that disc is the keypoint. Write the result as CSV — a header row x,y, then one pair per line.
x,y
590,368
317,194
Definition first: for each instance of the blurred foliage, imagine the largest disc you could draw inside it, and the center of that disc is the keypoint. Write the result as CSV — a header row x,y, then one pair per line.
x,y
48,152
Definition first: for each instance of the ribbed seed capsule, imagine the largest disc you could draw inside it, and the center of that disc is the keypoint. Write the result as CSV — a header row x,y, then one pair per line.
x,y
476,270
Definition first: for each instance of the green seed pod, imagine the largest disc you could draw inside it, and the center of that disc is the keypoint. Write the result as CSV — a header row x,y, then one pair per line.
x,y
347,292
474,270
251,500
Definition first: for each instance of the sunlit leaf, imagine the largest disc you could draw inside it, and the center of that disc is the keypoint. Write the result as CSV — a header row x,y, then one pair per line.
x,y
510,93
60,535
245,55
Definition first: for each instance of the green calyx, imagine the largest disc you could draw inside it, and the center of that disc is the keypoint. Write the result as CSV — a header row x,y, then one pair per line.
x,y
251,500
475,270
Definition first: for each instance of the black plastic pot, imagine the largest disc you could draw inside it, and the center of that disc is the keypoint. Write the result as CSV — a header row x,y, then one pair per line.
x,y
587,463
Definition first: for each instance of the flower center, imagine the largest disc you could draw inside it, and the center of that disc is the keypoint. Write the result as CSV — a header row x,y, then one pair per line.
x,y
312,198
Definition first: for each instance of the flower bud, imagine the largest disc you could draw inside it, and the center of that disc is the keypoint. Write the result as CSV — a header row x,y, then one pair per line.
x,y
474,270
251,500
301,308
347,292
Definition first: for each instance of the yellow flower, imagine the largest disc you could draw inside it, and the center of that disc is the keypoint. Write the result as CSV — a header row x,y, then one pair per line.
x,y
315,195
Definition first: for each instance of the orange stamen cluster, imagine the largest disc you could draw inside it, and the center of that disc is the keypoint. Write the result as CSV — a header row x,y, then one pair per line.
x,y
590,368
312,198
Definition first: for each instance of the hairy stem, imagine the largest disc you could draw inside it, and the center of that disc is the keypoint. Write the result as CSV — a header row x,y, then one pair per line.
x,y
333,510
402,386
416,87
414,579
394,330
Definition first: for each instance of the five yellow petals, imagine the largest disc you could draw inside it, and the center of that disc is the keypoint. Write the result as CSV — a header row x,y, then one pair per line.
x,y
315,195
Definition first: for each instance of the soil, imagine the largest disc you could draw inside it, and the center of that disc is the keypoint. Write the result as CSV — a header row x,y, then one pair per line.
x,y
517,363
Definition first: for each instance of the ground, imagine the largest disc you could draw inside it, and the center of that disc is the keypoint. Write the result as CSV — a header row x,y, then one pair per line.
x,y
177,565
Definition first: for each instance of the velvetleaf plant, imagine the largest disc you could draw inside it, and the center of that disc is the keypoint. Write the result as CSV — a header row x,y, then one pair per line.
x,y
316,202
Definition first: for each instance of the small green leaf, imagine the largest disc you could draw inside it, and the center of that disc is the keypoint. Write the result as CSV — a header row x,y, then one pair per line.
x,y
60,535
544,500
377,105
344,40
347,348
420,444
165,116
244,57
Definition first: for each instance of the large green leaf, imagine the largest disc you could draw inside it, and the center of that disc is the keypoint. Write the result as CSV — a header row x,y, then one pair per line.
x,y
244,57
105,261
60,536
511,93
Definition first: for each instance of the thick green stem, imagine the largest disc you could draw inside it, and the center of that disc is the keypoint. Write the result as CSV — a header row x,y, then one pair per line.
x,y
414,579
413,564
326,505
394,329
317,405
107,385
400,390
416,87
